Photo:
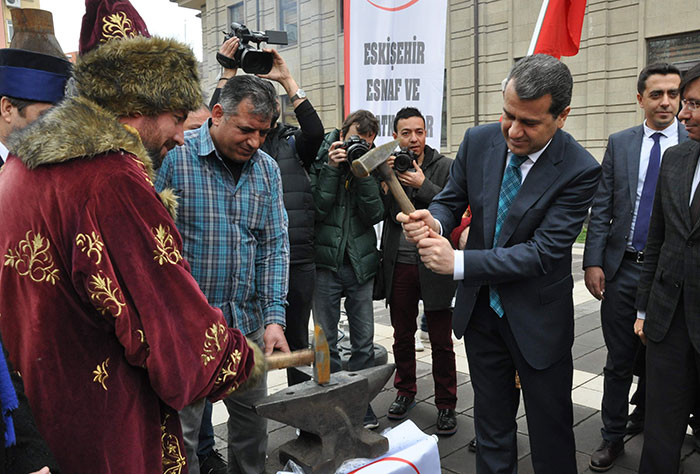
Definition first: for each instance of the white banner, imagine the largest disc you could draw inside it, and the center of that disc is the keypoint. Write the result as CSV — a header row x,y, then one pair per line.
x,y
395,58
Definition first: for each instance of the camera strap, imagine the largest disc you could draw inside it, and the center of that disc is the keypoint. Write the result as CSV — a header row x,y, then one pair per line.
x,y
226,62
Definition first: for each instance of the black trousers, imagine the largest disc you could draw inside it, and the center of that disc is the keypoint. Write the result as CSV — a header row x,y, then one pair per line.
x,y
494,357
618,315
302,279
673,375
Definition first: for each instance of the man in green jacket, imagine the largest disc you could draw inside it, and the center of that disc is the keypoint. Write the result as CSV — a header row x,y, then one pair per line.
x,y
347,258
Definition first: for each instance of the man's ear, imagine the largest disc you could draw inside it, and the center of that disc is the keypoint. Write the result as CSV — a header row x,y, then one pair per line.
x,y
6,109
217,114
562,117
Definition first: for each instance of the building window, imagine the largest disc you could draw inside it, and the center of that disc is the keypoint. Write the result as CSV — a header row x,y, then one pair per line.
x,y
682,50
10,31
342,15
288,19
443,128
236,14
287,115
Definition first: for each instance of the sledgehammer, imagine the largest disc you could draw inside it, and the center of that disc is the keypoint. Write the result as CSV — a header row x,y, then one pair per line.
x,y
376,158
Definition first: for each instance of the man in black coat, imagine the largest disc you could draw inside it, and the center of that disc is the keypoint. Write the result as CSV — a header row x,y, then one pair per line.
x,y
407,280
668,298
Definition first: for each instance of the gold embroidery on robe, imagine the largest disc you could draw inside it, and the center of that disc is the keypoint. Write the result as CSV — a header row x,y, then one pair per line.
x,y
101,373
173,460
212,345
90,244
142,167
142,336
229,370
107,296
32,258
166,252
117,25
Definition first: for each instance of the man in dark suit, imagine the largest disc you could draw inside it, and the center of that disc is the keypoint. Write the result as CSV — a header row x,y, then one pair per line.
x,y
529,185
668,299
615,243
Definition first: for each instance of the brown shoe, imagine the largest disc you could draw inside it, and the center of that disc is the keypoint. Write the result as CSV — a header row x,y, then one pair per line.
x,y
604,457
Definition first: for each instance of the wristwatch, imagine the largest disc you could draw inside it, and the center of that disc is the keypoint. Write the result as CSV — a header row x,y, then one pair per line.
x,y
299,94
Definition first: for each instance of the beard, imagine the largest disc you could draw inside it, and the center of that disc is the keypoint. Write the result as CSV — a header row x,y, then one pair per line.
x,y
155,152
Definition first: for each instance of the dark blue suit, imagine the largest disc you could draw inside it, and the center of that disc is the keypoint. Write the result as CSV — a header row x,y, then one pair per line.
x,y
531,269
606,242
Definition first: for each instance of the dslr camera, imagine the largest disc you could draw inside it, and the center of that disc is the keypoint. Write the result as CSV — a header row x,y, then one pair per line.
x,y
404,160
251,59
355,147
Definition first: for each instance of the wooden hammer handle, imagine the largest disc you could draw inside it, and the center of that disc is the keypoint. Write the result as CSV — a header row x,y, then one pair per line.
x,y
396,189
283,360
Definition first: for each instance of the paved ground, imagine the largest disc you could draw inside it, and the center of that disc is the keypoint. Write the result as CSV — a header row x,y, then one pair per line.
x,y
589,357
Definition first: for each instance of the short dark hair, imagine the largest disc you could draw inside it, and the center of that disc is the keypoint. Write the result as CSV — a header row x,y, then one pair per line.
x,y
20,104
540,74
405,113
690,75
364,120
656,68
239,88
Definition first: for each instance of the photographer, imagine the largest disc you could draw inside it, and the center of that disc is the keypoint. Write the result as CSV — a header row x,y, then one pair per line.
x,y
407,280
346,246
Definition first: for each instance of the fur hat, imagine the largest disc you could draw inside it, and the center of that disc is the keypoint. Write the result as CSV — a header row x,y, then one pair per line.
x,y
146,76
107,19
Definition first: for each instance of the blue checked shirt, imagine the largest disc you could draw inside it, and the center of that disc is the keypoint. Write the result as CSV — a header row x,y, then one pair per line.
x,y
234,234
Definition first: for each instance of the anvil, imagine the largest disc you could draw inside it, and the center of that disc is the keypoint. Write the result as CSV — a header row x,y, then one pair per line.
x,y
329,418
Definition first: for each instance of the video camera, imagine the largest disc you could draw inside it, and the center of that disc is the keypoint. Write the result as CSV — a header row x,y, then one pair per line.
x,y
252,60
404,160
355,147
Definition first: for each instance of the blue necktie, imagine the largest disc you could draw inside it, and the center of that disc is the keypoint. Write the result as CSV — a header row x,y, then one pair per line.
x,y
641,226
509,189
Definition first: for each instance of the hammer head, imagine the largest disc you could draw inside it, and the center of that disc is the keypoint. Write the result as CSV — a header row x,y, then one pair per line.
x,y
365,164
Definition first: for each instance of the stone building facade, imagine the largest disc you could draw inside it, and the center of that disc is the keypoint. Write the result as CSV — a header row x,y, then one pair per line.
x,y
484,38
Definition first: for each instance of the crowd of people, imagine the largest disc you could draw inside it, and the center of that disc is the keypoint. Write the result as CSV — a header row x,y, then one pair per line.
x,y
155,249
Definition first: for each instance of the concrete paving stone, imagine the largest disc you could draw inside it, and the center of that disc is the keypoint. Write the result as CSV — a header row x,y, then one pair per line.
x,y
586,323
592,338
587,434
465,398
587,308
579,350
583,413
461,461
592,362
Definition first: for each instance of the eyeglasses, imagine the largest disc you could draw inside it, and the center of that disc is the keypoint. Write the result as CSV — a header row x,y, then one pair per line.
x,y
691,104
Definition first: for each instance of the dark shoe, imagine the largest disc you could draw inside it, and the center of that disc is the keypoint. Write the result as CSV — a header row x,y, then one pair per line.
x,y
213,464
399,409
604,457
446,422
370,422
472,445
635,423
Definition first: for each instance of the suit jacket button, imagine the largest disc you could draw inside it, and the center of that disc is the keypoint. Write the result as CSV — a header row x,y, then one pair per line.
x,y
677,284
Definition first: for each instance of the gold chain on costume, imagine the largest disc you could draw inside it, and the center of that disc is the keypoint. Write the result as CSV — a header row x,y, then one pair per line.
x,y
90,244
101,374
32,258
173,460
166,251
212,346
117,25
104,294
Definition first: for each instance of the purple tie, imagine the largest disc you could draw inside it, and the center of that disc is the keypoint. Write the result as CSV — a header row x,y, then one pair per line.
x,y
641,226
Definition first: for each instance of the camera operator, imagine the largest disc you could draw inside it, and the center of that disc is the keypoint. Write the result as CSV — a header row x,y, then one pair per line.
x,y
407,280
347,208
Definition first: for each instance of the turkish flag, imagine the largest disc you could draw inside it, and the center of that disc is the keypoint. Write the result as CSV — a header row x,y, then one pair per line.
x,y
560,34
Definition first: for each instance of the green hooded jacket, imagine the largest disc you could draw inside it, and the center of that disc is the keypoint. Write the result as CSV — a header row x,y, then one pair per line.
x,y
347,208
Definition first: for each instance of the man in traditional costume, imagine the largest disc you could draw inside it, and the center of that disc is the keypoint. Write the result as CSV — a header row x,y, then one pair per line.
x,y
100,313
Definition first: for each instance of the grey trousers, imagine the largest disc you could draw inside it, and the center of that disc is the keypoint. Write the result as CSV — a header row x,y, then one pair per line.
x,y
247,432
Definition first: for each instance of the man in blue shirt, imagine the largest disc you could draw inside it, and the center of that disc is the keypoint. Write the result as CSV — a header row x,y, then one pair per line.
x,y
234,227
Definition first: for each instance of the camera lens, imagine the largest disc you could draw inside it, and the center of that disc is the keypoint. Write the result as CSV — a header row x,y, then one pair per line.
x,y
256,62
403,161
356,151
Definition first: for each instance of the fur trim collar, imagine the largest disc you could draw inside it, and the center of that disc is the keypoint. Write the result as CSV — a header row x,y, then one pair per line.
x,y
79,128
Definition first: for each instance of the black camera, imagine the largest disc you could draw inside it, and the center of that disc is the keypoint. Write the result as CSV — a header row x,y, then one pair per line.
x,y
252,60
355,147
404,160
